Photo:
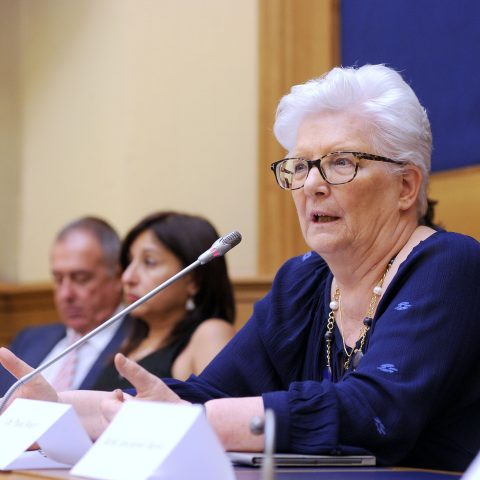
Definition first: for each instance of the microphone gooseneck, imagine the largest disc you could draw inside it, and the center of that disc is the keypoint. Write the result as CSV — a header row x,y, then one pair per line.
x,y
218,249
267,427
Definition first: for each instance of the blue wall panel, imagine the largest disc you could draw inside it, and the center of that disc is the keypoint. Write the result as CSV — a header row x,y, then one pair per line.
x,y
435,44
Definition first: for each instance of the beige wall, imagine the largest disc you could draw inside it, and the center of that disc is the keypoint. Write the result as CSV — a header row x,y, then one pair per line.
x,y
129,106
10,168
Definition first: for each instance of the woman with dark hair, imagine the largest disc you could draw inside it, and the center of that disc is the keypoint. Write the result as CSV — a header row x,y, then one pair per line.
x,y
178,331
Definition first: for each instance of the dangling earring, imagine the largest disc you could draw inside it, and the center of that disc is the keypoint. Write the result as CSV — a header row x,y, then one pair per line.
x,y
190,304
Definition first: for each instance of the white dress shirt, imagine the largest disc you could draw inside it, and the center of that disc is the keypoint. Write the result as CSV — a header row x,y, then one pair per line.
x,y
87,353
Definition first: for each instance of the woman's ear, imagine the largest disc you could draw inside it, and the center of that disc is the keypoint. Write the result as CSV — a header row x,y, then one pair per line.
x,y
192,287
411,178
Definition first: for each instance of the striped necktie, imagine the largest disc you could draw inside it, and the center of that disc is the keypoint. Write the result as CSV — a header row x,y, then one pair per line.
x,y
66,374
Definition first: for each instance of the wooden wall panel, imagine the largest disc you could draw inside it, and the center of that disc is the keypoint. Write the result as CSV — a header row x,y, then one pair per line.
x,y
27,305
458,195
248,291
22,306
298,40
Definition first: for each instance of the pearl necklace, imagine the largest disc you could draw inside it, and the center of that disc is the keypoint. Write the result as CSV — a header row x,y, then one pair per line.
x,y
357,351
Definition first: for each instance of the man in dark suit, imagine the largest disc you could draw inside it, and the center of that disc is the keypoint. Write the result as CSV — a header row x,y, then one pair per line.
x,y
87,291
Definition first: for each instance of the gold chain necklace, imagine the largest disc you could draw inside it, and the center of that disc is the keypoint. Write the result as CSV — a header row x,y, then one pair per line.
x,y
357,351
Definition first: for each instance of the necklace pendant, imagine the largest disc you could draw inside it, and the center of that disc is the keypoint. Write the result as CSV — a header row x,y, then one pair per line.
x,y
357,356
327,373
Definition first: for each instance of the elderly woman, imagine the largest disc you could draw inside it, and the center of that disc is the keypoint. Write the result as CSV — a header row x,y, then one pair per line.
x,y
370,341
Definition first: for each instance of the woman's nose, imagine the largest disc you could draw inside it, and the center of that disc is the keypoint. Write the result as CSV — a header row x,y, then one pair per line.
x,y
314,183
129,274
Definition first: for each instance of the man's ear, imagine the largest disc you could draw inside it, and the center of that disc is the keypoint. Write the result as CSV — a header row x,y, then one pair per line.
x,y
117,273
411,179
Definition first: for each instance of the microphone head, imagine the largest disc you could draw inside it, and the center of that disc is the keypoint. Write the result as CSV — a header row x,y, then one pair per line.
x,y
221,247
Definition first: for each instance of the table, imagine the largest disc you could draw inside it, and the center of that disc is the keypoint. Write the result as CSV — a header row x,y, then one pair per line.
x,y
350,473
252,473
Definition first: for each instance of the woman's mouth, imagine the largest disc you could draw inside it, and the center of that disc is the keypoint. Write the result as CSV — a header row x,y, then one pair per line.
x,y
130,298
321,218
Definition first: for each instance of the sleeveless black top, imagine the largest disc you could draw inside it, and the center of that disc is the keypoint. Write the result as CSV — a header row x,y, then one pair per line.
x,y
159,363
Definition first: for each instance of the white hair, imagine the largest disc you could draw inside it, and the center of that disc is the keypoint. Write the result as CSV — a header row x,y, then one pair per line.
x,y
399,125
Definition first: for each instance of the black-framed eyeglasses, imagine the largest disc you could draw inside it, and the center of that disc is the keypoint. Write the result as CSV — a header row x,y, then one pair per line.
x,y
336,168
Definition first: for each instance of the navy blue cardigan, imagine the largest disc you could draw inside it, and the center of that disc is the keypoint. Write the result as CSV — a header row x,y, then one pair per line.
x,y
415,396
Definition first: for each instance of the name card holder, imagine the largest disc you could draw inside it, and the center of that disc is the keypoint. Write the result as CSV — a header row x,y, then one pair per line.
x,y
46,423
473,471
150,440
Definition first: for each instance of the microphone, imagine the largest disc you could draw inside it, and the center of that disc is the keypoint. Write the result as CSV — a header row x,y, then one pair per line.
x,y
219,248
267,426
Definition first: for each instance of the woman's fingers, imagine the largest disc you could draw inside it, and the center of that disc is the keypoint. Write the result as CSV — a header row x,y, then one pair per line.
x,y
148,386
37,388
111,406
118,395
18,368
140,378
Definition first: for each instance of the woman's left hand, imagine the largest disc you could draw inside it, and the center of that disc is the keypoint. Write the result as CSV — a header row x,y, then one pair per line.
x,y
148,386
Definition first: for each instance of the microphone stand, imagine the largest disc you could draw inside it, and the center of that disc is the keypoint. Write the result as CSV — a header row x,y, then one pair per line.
x,y
219,248
267,426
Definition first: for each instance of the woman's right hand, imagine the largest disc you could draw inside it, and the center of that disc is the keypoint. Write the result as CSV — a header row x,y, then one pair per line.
x,y
36,389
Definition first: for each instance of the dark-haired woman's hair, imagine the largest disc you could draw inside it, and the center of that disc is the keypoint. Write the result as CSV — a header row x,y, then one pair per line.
x,y
428,218
186,236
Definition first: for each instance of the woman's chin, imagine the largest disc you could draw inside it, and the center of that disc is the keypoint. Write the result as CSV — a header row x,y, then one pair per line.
x,y
138,312
324,243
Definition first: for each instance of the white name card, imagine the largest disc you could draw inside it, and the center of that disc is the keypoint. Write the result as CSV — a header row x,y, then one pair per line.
x,y
473,471
150,440
47,423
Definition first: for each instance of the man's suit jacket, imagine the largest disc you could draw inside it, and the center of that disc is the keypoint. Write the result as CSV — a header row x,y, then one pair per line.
x,y
33,344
